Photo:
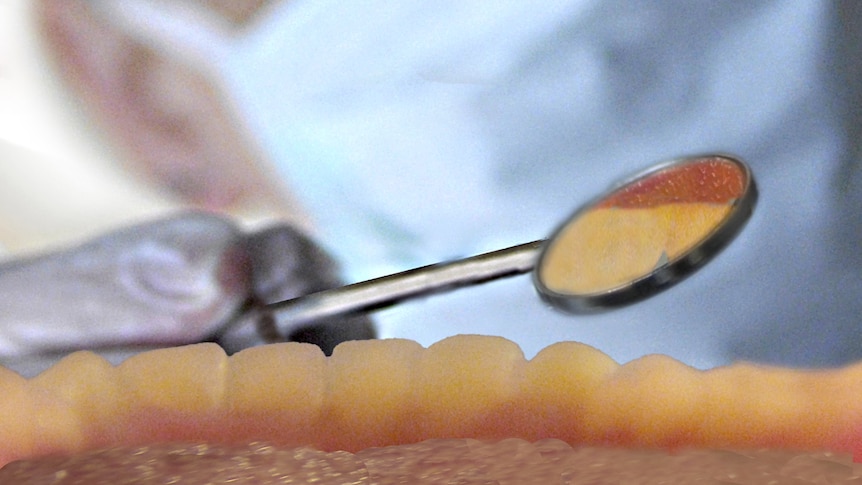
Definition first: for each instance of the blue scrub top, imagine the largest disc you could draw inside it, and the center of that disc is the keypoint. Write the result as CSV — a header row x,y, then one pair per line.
x,y
418,132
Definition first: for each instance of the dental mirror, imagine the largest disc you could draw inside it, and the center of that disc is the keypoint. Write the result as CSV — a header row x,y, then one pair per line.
x,y
641,237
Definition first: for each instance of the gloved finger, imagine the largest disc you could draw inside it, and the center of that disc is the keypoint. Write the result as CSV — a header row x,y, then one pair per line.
x,y
167,282
285,264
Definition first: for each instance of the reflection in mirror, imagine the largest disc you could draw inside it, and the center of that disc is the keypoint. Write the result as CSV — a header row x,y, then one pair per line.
x,y
649,232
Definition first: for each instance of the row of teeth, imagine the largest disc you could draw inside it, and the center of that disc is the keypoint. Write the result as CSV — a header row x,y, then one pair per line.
x,y
374,393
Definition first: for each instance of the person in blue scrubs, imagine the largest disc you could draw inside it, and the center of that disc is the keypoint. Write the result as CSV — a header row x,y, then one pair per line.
x,y
416,133
421,133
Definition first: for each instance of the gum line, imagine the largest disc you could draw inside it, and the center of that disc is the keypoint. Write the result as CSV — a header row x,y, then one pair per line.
x,y
375,393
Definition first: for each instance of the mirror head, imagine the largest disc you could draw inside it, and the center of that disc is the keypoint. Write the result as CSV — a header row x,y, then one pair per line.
x,y
646,233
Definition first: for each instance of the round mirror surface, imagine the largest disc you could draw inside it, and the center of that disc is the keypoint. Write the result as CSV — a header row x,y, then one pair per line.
x,y
646,234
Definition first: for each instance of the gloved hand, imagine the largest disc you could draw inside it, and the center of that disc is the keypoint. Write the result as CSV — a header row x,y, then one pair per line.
x,y
286,264
174,281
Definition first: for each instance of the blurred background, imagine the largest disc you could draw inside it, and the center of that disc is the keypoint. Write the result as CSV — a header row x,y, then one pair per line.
x,y
405,135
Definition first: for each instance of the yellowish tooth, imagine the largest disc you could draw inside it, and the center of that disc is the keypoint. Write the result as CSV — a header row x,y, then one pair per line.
x,y
466,385
55,425
88,384
18,422
369,388
654,401
837,414
187,379
276,390
560,379
761,406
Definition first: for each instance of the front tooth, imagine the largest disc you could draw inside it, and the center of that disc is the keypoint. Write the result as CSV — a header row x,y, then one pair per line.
x,y
88,386
465,386
18,420
190,379
368,398
560,379
651,401
276,391
762,406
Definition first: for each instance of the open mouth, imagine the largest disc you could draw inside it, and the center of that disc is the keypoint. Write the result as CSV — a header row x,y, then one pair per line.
x,y
373,394
469,409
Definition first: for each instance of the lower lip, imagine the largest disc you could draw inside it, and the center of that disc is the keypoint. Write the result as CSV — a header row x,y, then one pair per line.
x,y
433,462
